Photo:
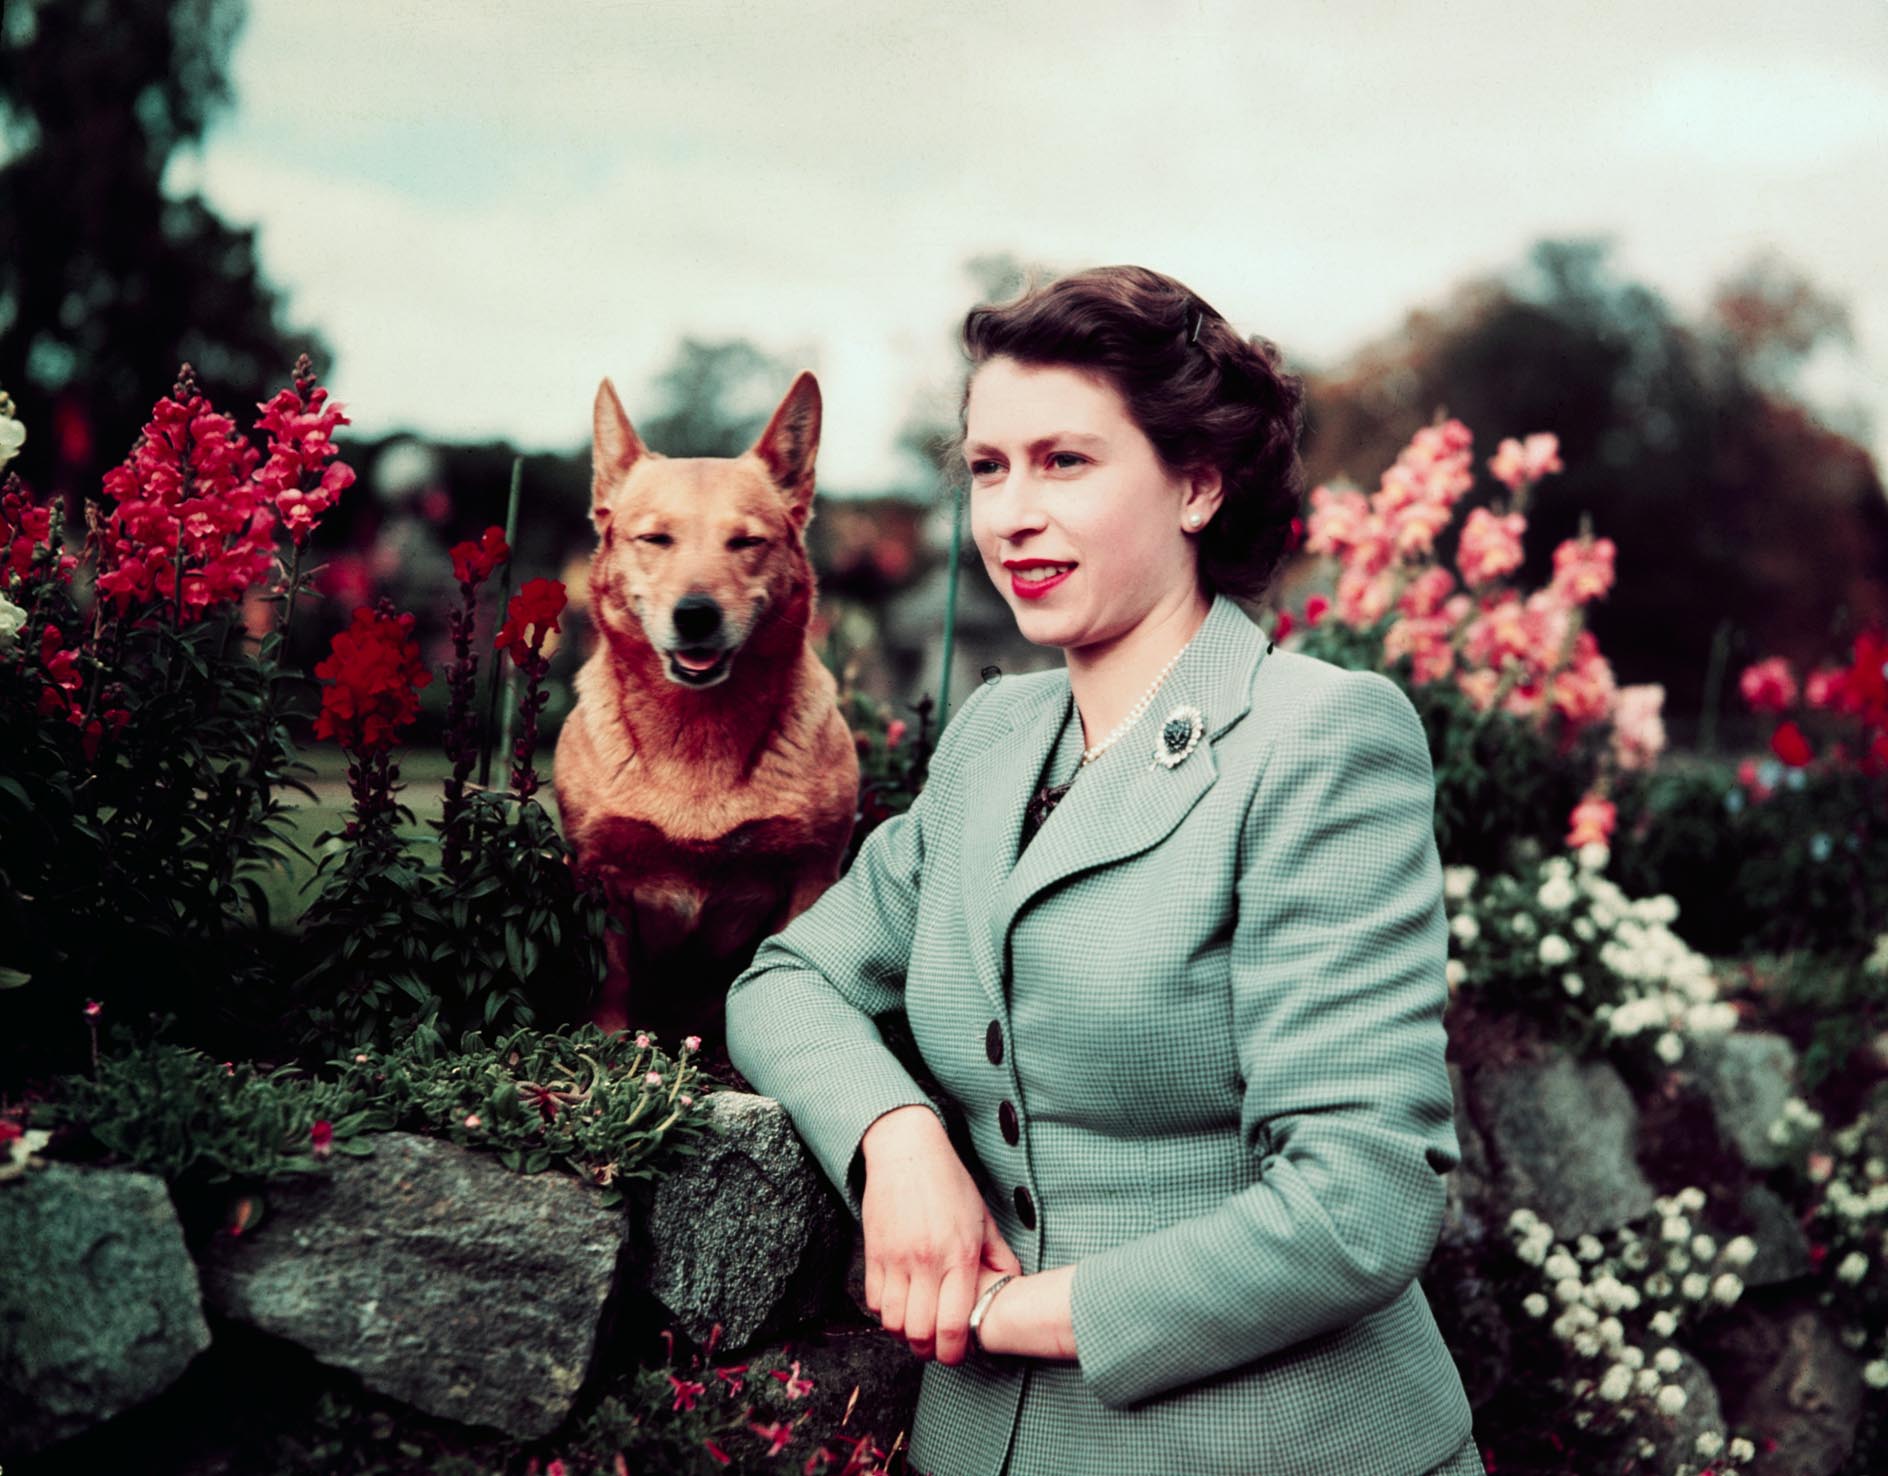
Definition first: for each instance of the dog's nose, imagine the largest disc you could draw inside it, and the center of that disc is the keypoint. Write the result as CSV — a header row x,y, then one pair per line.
x,y
697,617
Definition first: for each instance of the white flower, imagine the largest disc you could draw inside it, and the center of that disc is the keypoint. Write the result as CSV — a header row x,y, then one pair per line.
x,y
1875,1371
1458,882
1632,1355
1612,1332
1584,930
1646,1381
1464,926
1696,1286
1556,894
1568,1290
1671,1399
1709,1443
1560,1266
1878,960
1524,925
1572,983
1853,1268
1675,1228
1669,1047
1456,972
1741,1449
1555,950
1727,1288
1534,1304
1586,1344
1703,1246
1667,1360
1691,1199
1588,1248
1617,1383
1593,856
1740,1251
12,433
12,617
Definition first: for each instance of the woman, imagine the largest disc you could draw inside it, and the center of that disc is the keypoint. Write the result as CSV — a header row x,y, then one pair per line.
x,y
1167,927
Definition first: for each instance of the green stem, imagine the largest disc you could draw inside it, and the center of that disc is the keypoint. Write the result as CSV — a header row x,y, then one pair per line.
x,y
499,676
950,608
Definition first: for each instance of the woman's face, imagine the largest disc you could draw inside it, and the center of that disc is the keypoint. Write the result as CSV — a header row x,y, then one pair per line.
x,y
1060,475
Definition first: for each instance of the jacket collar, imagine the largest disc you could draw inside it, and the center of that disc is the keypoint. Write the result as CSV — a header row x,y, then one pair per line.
x,y
1119,806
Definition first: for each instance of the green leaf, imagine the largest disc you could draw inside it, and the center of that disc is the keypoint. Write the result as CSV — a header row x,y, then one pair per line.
x,y
12,978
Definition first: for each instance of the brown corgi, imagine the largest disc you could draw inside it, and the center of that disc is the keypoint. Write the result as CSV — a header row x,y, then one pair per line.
x,y
705,774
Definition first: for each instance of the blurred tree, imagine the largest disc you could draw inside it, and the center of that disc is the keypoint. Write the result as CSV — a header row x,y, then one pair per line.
x,y
717,398
106,283
1730,504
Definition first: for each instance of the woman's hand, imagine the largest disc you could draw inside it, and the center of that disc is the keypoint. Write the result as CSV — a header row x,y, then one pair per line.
x,y
929,1237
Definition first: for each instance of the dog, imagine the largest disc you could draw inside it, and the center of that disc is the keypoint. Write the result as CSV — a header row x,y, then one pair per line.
x,y
705,774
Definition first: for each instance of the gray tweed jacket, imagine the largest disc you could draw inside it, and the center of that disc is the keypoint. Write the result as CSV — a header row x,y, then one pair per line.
x,y
1196,1034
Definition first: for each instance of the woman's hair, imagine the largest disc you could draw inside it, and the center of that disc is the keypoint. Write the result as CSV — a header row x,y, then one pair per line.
x,y
1220,400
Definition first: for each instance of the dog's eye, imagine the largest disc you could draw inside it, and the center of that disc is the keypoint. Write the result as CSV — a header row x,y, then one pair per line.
x,y
747,541
661,540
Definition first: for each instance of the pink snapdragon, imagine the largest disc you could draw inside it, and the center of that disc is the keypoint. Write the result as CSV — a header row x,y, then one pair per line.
x,y
1583,569
1518,463
1638,726
1490,546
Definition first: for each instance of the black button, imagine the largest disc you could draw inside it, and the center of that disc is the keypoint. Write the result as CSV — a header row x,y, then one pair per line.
x,y
993,1043
1025,1208
1006,1119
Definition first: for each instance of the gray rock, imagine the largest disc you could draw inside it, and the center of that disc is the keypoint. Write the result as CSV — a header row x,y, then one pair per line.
x,y
1782,1248
439,1276
99,1306
1748,1075
747,1232
1782,1370
1675,1437
1563,1135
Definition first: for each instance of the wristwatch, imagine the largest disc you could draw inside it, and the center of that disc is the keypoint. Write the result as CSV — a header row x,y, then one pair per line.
x,y
983,1306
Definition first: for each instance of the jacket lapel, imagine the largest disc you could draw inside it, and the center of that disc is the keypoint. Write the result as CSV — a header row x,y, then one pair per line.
x,y
1117,807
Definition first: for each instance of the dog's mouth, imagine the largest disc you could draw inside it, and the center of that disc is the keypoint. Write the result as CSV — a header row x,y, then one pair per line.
x,y
699,665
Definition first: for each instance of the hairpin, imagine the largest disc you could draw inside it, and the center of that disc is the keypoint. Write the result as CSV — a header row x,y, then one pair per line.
x,y
1193,333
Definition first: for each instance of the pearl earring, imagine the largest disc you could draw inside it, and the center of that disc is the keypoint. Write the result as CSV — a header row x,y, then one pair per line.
x,y
1193,520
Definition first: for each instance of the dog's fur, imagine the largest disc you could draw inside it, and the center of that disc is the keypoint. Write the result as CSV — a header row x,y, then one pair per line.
x,y
713,810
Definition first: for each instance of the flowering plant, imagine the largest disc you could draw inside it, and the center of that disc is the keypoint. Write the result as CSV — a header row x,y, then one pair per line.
x,y
144,735
503,928
1562,942
1617,1301
1520,702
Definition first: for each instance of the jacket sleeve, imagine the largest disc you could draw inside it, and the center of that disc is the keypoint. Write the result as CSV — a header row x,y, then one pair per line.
x,y
1338,991
799,1018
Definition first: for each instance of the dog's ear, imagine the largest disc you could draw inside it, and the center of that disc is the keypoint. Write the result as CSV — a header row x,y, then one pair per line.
x,y
789,444
615,450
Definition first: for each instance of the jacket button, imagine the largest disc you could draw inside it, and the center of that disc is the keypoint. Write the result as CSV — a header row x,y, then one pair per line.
x,y
993,1043
1006,1119
1025,1208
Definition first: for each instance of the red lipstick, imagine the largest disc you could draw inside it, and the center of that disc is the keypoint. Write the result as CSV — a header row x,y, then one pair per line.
x,y
1034,589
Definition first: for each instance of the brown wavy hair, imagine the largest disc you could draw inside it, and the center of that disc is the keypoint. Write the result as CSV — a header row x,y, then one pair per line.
x,y
1219,400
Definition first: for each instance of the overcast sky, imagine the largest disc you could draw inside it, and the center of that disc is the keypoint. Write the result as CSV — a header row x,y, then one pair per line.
x,y
487,207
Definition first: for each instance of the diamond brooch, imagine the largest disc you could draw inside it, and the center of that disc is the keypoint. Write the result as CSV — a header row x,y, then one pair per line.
x,y
1180,734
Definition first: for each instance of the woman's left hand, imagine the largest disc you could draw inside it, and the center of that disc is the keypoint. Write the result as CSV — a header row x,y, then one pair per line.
x,y
1030,1317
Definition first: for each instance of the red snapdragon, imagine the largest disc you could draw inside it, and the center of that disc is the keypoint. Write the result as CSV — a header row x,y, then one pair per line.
x,y
374,676
301,478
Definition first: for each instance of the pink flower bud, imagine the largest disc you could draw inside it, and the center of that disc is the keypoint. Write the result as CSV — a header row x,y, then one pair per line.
x,y
691,1042
654,1079
472,1120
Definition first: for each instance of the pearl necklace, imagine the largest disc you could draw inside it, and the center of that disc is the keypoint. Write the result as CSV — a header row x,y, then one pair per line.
x,y
1089,755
